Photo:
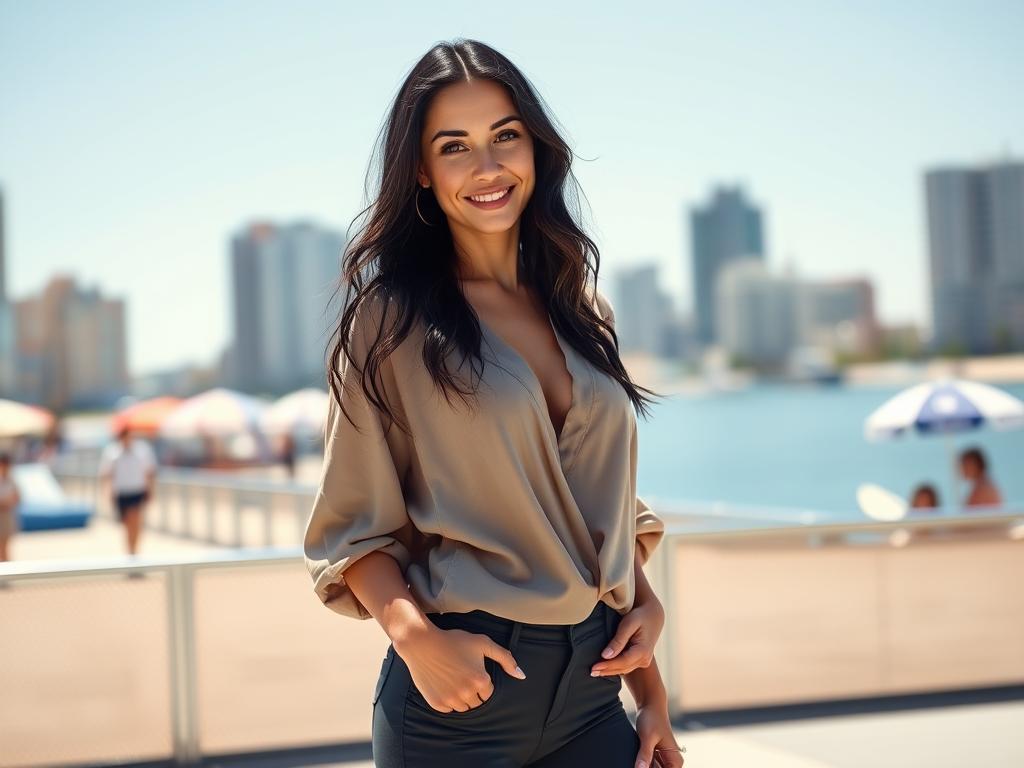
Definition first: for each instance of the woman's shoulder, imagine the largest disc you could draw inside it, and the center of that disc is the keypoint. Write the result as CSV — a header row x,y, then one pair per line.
x,y
375,314
601,303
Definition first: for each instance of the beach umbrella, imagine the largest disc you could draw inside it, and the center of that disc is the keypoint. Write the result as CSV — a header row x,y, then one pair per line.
x,y
302,411
217,412
145,416
19,419
945,407
880,503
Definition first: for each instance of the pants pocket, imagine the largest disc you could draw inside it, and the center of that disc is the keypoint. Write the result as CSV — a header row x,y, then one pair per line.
x,y
385,668
497,674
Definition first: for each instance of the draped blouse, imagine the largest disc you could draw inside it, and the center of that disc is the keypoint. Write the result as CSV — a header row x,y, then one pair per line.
x,y
483,507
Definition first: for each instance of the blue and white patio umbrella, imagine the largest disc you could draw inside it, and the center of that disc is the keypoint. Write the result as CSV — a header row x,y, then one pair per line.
x,y
945,407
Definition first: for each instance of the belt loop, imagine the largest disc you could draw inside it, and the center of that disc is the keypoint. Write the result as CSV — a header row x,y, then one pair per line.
x,y
513,639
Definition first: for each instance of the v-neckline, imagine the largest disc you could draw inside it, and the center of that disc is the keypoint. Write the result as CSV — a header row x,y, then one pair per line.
x,y
574,375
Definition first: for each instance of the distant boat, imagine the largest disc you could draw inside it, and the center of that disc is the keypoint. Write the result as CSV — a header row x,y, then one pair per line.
x,y
813,365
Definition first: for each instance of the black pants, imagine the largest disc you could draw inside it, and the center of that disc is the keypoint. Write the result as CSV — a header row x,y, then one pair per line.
x,y
558,716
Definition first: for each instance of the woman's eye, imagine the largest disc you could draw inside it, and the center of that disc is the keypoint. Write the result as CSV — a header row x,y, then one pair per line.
x,y
446,147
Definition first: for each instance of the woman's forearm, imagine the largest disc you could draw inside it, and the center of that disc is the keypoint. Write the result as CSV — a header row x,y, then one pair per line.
x,y
644,591
377,582
645,683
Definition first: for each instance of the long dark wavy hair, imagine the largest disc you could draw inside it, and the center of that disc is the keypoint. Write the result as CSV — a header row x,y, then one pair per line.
x,y
411,266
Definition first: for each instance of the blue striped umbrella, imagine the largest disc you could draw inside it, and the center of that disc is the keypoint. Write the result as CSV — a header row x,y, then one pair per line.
x,y
945,407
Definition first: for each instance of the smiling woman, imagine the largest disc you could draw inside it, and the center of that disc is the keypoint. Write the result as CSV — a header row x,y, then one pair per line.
x,y
488,168
507,537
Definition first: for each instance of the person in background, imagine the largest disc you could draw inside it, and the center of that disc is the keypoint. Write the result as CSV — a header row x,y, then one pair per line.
x,y
288,454
128,472
9,500
974,467
53,445
925,497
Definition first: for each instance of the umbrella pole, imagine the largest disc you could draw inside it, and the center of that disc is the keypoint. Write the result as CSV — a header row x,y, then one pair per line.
x,y
955,505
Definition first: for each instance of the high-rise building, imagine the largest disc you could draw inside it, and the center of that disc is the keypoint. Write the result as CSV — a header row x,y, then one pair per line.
x,y
71,347
3,253
839,314
643,312
285,306
725,229
8,359
757,313
975,219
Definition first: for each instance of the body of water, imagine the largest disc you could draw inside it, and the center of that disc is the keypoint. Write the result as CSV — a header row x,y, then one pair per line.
x,y
775,446
802,447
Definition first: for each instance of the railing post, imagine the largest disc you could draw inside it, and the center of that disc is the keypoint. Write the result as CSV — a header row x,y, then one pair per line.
x,y
300,514
268,519
236,504
161,505
667,653
186,513
181,624
211,516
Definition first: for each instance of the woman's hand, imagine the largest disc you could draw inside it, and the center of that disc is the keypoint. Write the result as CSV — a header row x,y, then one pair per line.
x,y
658,746
638,632
447,666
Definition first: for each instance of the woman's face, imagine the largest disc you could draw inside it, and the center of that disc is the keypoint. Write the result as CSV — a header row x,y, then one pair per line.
x,y
923,499
487,152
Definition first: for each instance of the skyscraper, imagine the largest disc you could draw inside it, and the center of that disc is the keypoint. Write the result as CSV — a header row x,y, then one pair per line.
x,y
975,221
8,359
3,253
72,347
757,312
283,279
643,312
724,230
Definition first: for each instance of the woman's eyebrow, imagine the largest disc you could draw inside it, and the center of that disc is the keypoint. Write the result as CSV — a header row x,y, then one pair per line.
x,y
498,124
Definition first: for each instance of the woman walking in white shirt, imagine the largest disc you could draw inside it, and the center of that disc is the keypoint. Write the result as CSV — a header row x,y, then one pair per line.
x,y
128,472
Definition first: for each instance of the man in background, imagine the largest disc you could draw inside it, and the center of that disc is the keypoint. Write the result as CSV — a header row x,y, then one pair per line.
x,y
127,474
974,467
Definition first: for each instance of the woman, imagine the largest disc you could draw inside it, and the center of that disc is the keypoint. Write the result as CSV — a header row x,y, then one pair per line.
x,y
491,528
10,498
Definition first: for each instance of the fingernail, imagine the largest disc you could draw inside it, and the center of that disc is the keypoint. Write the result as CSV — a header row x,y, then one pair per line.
x,y
520,674
607,653
642,764
595,673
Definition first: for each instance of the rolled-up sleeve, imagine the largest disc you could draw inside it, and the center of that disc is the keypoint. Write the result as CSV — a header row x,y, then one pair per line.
x,y
360,504
650,530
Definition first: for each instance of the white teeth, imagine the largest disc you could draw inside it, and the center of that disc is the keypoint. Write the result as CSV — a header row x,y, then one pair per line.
x,y
491,197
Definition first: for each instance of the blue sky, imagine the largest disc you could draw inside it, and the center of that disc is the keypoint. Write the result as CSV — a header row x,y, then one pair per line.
x,y
135,137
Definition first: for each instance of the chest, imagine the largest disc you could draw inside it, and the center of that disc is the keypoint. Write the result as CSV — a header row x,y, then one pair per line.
x,y
533,344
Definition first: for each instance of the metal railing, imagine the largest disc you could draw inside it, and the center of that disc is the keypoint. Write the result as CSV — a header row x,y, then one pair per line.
x,y
219,606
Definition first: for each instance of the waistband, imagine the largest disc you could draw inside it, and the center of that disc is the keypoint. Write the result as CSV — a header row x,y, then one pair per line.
x,y
600,617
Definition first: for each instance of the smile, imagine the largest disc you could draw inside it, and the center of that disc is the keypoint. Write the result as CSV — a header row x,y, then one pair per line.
x,y
491,200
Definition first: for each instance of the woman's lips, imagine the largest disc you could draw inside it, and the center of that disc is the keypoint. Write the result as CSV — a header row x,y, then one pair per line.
x,y
499,203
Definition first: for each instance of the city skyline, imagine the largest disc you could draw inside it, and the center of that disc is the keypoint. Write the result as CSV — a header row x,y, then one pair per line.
x,y
137,185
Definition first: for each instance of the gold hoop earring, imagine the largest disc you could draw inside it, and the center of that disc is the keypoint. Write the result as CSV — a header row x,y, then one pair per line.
x,y
417,198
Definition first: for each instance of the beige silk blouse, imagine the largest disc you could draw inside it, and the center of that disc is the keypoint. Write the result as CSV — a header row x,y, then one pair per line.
x,y
488,508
